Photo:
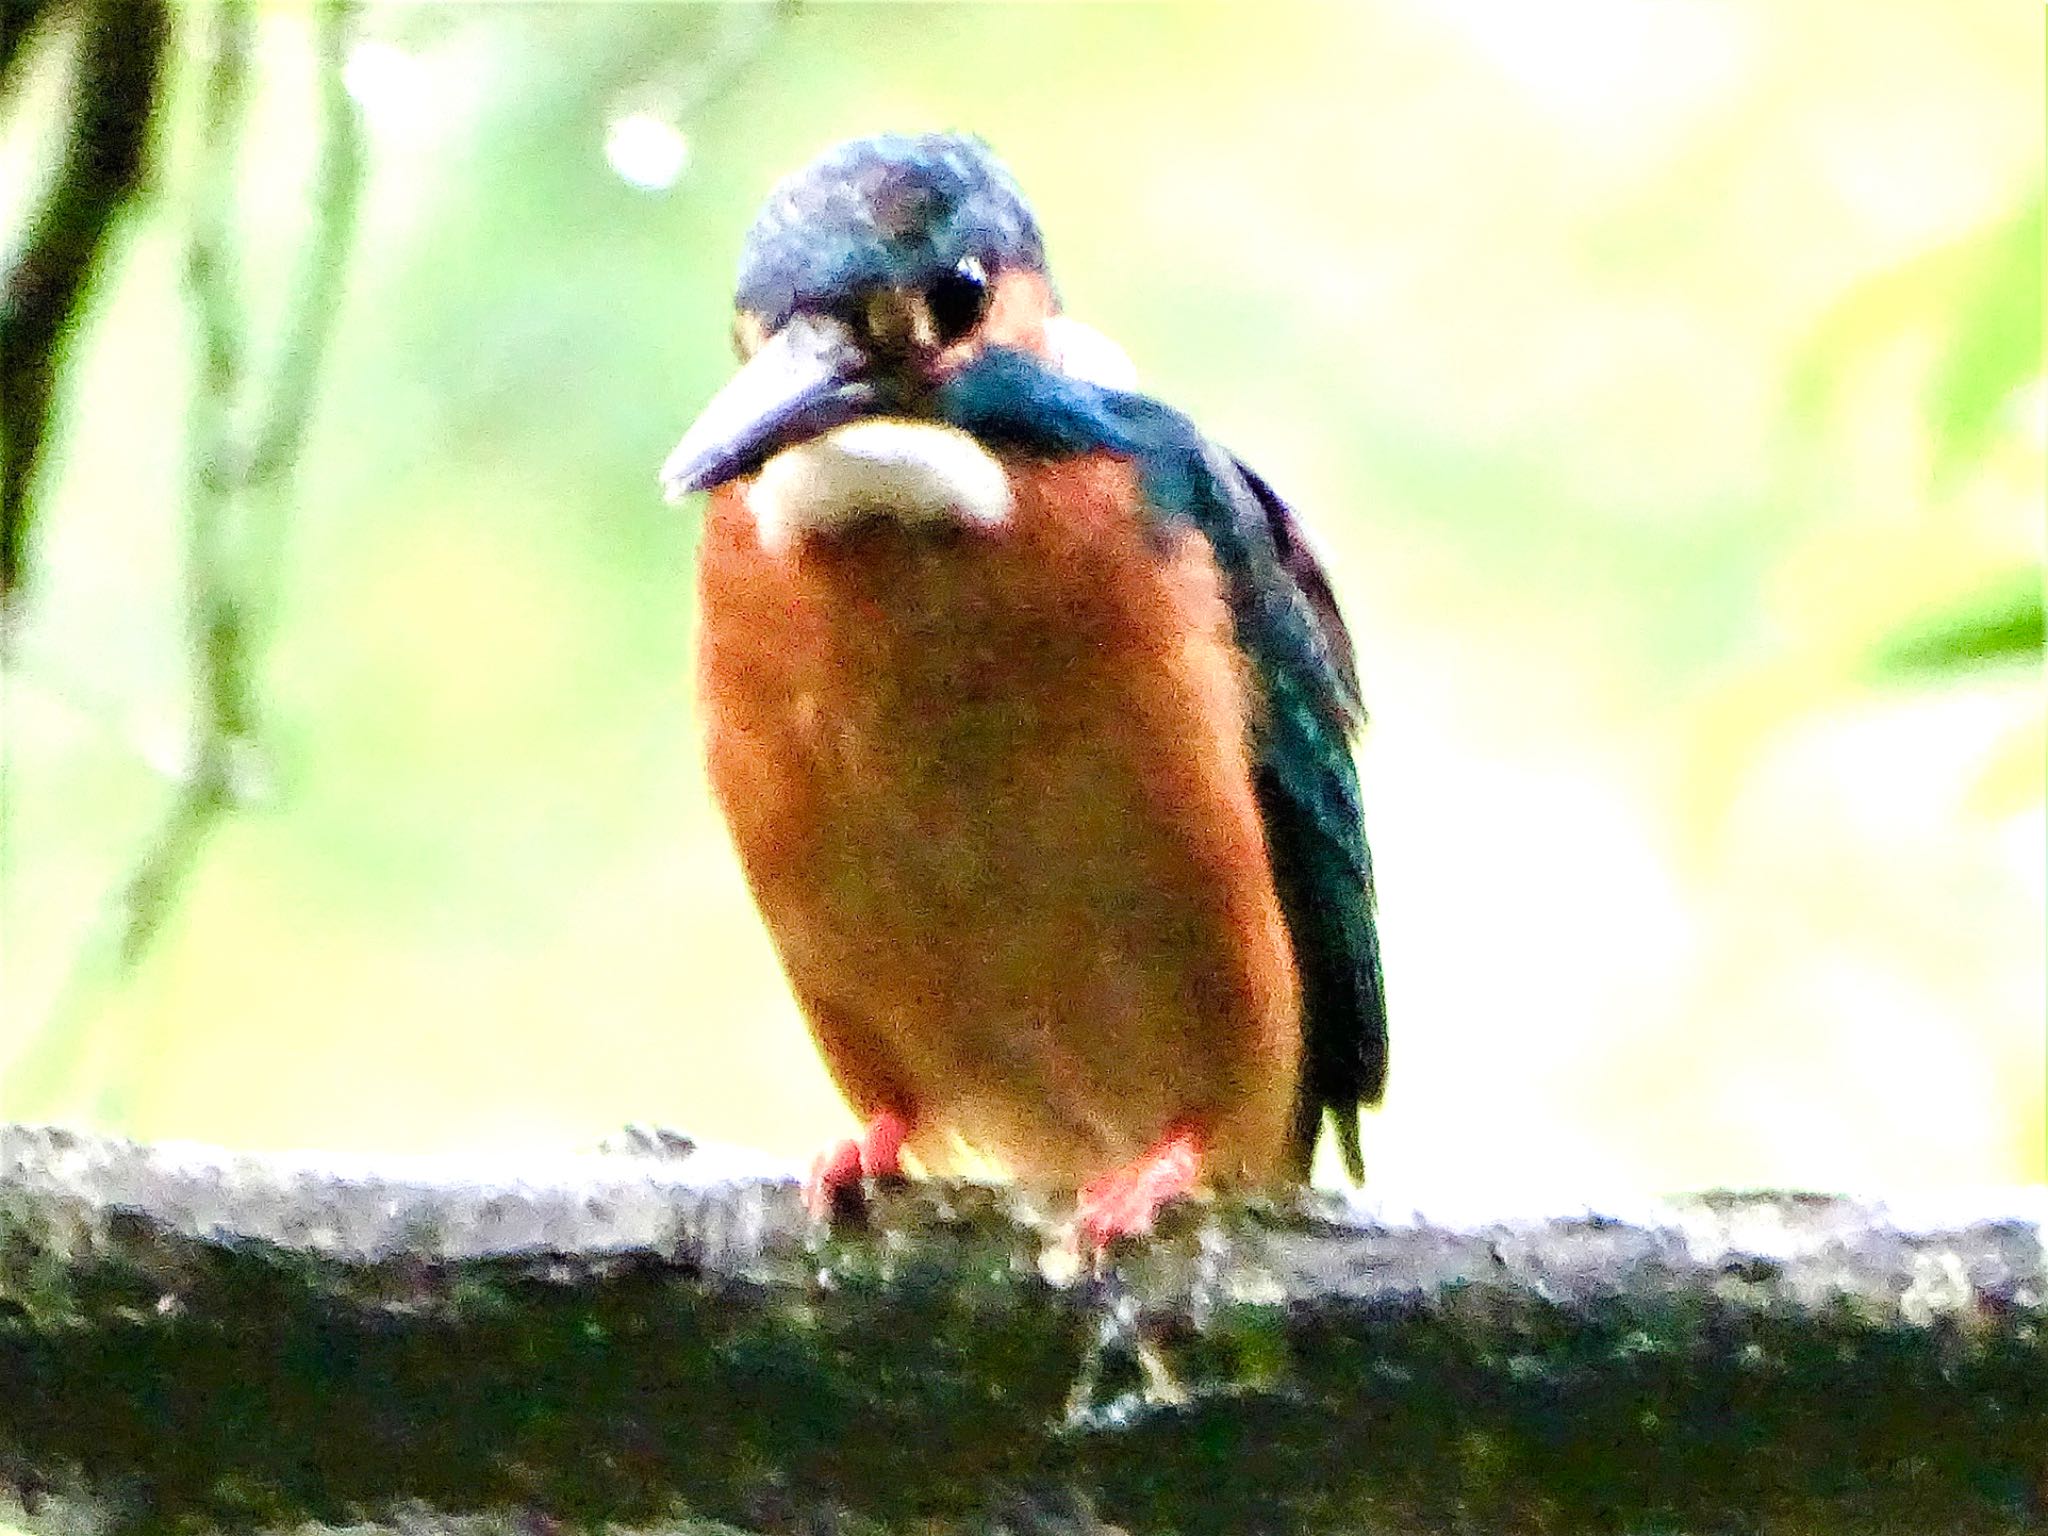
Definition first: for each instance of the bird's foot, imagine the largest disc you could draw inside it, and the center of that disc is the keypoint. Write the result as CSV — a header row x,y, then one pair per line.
x,y
1126,1202
834,1187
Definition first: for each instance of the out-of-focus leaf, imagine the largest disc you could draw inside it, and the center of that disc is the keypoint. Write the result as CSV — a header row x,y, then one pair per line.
x,y
1996,346
2005,627
1981,293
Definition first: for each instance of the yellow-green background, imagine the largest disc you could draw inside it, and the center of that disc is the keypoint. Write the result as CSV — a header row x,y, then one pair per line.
x,y
1663,377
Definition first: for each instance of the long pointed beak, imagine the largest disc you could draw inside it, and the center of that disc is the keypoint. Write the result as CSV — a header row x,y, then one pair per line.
x,y
808,379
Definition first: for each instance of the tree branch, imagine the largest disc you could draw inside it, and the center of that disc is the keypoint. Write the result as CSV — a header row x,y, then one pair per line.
x,y
274,446
239,481
236,503
121,45
195,1339
18,19
237,496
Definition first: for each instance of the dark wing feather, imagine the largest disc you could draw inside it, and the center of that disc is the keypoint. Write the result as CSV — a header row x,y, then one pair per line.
x,y
1298,558
1289,626
1315,832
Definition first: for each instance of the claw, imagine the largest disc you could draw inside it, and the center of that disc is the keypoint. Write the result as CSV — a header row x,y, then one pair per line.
x,y
1126,1202
834,1187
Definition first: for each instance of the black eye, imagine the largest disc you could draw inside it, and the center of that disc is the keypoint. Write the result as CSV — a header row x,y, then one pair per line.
x,y
958,300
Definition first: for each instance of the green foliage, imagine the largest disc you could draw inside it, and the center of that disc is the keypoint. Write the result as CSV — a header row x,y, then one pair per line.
x,y
2004,627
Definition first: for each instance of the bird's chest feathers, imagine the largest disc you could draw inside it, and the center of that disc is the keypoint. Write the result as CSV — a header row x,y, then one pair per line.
x,y
992,790
929,700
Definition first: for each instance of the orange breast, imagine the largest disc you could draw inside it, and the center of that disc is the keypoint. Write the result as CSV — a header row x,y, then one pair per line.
x,y
992,792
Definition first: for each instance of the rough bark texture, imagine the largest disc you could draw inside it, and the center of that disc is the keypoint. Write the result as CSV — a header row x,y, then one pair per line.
x,y
191,1339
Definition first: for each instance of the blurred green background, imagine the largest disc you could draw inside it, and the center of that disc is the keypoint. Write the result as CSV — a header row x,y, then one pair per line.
x,y
1664,379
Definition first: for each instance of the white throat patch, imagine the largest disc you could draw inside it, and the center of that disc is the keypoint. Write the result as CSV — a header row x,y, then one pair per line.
x,y
913,471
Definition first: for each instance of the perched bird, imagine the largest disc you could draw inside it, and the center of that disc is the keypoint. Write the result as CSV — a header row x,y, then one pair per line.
x,y
1030,710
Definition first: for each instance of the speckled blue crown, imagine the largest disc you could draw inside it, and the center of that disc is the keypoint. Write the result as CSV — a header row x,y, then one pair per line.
x,y
894,209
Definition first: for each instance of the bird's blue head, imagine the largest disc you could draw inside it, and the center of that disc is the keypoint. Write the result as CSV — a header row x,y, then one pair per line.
x,y
868,278
895,212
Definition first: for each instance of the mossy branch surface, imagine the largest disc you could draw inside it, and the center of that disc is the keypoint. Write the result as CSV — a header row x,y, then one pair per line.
x,y
192,1339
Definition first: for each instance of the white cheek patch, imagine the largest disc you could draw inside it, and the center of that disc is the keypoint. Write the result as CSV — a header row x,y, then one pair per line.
x,y
913,471
1082,352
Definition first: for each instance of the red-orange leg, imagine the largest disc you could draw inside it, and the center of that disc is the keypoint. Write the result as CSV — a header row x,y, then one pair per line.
x,y
1126,1202
877,1153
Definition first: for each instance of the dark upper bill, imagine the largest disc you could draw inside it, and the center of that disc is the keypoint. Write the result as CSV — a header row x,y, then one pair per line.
x,y
808,379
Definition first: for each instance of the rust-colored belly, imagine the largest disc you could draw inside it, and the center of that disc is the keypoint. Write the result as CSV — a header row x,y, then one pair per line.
x,y
992,792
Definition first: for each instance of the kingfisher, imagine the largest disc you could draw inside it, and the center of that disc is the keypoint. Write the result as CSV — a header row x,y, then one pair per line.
x,y
1030,711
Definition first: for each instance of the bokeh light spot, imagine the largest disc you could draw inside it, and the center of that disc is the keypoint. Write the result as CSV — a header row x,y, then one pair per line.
x,y
646,152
